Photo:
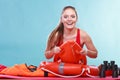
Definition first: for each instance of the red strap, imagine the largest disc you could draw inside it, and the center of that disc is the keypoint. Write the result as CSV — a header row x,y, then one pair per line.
x,y
78,36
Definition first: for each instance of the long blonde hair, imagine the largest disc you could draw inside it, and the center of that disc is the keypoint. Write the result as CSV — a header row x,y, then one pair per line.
x,y
56,36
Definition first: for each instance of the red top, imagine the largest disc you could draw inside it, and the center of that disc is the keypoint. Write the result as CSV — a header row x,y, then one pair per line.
x,y
77,39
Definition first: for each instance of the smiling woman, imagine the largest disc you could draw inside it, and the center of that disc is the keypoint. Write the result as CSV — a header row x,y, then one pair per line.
x,y
67,31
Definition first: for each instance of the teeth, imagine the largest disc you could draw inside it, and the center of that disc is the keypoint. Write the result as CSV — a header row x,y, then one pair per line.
x,y
69,23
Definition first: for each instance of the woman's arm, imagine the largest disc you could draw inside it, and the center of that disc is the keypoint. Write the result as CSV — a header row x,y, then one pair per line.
x,y
91,50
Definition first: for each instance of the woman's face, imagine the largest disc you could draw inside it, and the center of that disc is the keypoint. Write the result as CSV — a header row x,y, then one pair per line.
x,y
69,18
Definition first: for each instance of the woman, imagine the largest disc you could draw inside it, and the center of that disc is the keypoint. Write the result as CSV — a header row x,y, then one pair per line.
x,y
67,30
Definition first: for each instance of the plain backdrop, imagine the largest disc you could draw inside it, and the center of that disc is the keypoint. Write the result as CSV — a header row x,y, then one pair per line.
x,y
26,24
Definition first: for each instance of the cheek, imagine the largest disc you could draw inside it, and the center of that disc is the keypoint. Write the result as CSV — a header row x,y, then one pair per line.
x,y
74,20
63,20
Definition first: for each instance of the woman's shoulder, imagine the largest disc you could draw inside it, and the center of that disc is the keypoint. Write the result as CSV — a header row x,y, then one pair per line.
x,y
83,33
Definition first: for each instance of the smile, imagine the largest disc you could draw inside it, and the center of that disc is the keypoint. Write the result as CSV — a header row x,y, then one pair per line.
x,y
69,23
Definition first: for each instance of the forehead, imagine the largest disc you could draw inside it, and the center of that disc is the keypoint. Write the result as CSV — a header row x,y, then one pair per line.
x,y
69,11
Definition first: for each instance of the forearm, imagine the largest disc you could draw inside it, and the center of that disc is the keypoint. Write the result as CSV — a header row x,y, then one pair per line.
x,y
92,53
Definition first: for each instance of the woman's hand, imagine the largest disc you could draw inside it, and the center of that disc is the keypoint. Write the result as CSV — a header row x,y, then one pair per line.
x,y
83,52
56,49
49,54
88,53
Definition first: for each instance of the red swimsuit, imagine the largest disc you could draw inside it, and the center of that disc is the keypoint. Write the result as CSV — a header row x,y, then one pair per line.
x,y
56,57
77,39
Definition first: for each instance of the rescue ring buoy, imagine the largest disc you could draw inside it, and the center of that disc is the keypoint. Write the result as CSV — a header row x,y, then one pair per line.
x,y
69,70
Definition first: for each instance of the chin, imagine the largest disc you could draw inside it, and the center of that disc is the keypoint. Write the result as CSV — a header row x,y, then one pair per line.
x,y
70,28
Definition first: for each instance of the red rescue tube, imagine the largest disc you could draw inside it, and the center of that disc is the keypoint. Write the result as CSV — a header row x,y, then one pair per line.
x,y
62,68
70,70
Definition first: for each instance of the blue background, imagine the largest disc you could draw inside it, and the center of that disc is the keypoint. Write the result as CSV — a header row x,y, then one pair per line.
x,y
26,24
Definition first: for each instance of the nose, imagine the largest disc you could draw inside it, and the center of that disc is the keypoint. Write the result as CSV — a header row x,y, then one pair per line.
x,y
69,18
